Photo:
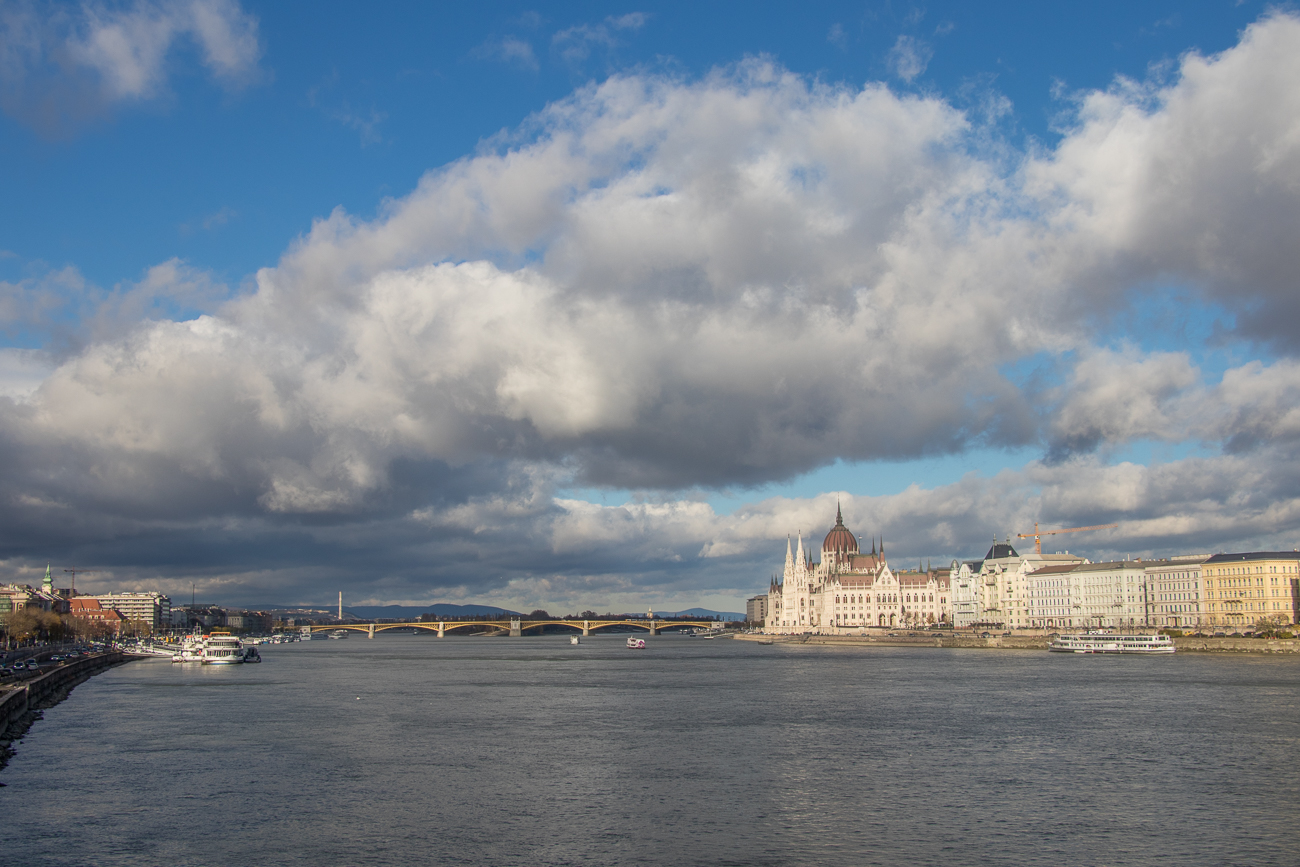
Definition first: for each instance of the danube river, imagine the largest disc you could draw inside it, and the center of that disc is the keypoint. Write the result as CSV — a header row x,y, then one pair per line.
x,y
494,751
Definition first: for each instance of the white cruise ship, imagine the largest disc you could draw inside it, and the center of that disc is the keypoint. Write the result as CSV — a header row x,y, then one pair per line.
x,y
1100,642
222,648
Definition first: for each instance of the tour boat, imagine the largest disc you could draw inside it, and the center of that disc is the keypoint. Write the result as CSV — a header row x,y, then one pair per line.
x,y
636,643
1097,642
222,648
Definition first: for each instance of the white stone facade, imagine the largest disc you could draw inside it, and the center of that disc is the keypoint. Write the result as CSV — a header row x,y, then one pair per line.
x,y
1000,591
1176,593
847,591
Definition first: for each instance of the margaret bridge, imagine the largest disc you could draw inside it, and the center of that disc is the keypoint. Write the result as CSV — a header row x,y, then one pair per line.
x,y
518,627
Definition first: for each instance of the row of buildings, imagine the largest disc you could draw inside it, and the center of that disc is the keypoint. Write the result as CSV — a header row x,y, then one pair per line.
x,y
849,591
133,612
116,612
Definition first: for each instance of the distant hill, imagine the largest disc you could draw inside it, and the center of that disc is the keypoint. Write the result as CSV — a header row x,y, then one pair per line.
x,y
413,612
702,613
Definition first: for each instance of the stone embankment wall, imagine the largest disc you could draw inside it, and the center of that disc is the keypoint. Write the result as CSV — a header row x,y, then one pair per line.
x,y
1025,642
1238,645
17,702
1012,642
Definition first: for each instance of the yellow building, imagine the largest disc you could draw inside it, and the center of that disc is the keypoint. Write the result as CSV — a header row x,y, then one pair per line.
x,y
1242,589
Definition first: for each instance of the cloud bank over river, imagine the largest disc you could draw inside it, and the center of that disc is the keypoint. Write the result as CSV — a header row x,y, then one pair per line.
x,y
664,286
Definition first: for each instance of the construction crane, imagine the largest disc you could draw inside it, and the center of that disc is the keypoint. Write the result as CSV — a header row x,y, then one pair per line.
x,y
74,577
1038,534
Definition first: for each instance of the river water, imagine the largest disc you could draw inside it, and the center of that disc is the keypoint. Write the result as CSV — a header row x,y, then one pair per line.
x,y
498,751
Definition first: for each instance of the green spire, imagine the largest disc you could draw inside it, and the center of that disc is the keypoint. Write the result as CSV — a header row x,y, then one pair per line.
x,y
49,579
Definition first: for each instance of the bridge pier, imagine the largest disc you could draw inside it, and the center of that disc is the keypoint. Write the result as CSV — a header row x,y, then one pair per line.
x,y
372,631
652,627
586,628
516,630
442,629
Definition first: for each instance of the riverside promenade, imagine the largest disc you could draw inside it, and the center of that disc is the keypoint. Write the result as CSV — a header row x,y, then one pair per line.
x,y
1022,642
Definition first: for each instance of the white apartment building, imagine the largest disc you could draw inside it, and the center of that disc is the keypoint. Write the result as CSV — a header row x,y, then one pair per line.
x,y
998,591
1097,595
155,609
1176,593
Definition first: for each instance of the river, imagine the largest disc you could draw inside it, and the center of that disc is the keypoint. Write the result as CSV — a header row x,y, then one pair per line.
x,y
528,751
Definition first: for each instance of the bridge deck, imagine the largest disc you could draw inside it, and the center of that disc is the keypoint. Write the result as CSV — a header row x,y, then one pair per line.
x,y
520,626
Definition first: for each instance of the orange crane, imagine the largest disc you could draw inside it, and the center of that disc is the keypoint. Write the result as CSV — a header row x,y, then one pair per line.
x,y
1038,534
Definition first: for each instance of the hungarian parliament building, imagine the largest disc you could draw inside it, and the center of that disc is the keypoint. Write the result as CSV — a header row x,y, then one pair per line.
x,y
848,590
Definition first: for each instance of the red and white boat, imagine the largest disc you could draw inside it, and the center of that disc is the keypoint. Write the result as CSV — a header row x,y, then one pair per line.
x,y
636,643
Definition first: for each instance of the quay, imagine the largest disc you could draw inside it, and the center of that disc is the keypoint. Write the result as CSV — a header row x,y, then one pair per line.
x,y
1185,644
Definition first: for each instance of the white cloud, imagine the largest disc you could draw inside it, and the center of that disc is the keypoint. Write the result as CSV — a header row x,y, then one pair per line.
x,y
664,284
22,371
576,43
909,57
511,50
59,64
1196,181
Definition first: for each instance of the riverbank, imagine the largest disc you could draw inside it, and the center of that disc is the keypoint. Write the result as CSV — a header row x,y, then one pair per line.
x,y
21,703
1023,642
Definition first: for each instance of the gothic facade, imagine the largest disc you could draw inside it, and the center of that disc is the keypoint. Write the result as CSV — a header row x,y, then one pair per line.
x,y
847,591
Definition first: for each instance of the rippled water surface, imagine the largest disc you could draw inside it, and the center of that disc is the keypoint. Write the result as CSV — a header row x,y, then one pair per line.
x,y
497,751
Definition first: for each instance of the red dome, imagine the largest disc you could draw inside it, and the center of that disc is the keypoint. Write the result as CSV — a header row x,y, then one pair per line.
x,y
839,540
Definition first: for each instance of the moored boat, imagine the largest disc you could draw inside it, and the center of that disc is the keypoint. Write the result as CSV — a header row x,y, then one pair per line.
x,y
222,648
1102,642
191,650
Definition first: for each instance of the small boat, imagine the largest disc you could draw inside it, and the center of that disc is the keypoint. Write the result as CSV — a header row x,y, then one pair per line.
x,y
191,650
251,655
339,633
636,643
573,639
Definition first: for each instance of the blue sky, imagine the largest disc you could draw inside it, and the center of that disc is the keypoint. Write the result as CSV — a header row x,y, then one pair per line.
x,y
349,107
308,296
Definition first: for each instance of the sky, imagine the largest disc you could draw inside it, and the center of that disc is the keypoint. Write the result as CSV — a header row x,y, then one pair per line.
x,y
581,306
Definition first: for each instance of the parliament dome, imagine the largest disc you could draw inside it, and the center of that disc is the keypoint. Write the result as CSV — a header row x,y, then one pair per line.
x,y
840,540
